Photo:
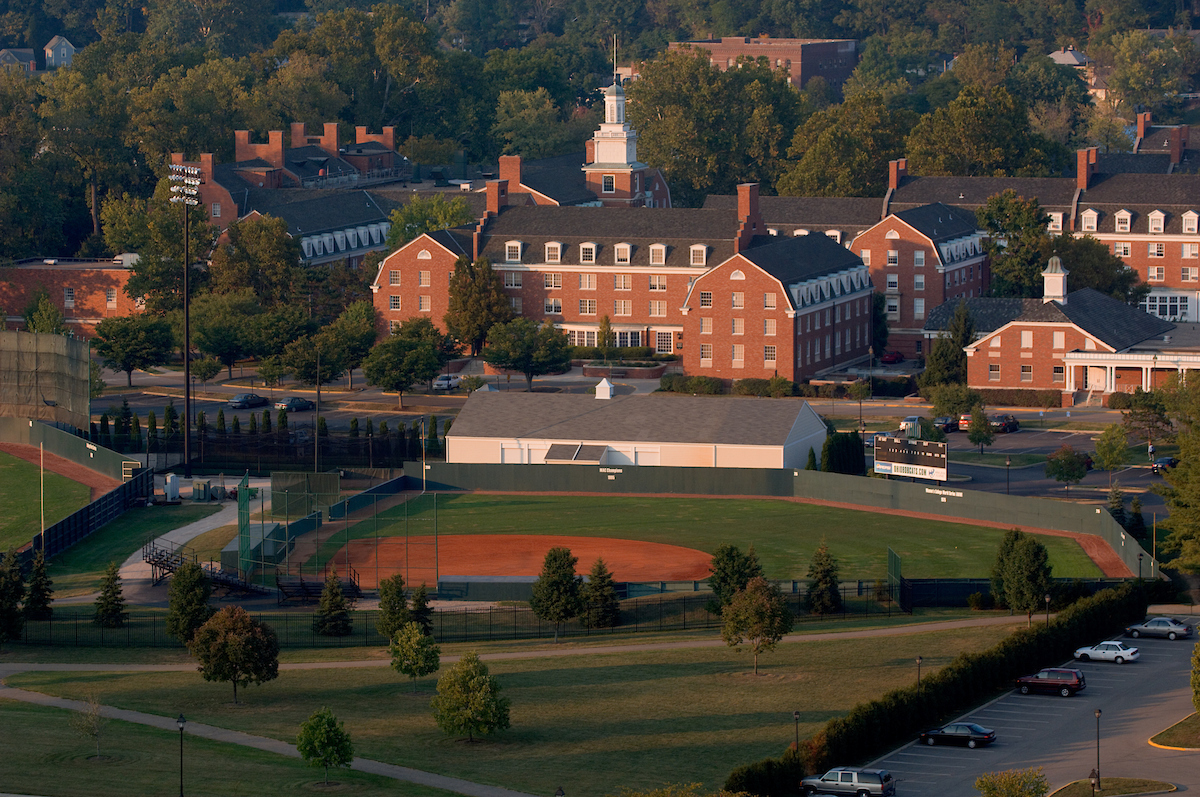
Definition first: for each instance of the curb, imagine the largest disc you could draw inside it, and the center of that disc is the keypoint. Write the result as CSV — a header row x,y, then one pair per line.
x,y
1171,790
1153,743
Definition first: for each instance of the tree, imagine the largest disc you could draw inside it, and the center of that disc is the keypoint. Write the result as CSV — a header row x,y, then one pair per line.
x,y
421,611
188,601
1147,71
1111,449
602,608
605,337
323,742
1007,544
468,700
89,722
811,463
354,331
393,606
730,571
414,652
824,592
947,362
12,590
220,325
980,431
757,616
133,343
397,363
1092,264
40,593
96,383
477,302
522,345
1013,783
110,604
1018,236
333,614
1067,466
1136,522
1146,417
843,453
418,216
257,253
1116,503
556,594
879,323
207,368
528,124
1027,576
233,646
43,316
1196,677
302,357
953,399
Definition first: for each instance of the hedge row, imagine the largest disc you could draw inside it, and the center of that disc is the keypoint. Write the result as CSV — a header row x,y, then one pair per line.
x,y
701,385
619,353
877,726
1120,401
1022,398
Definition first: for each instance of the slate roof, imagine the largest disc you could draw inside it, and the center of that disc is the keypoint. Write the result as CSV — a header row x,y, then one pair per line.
x,y
1069,56
1103,317
365,148
646,418
309,160
800,258
989,314
789,213
475,200
1142,162
1053,193
940,222
1173,194
561,178
327,211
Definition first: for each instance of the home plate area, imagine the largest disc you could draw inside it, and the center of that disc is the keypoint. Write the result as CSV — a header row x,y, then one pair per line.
x,y
518,555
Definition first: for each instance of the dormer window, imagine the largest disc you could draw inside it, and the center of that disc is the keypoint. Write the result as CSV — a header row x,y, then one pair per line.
x,y
1123,220
835,235
1190,221
554,252
699,255
1087,220
658,255
799,232
512,251
622,253
587,253
1056,220
1157,220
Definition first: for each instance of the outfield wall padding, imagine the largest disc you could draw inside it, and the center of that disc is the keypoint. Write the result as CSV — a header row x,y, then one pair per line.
x,y
24,431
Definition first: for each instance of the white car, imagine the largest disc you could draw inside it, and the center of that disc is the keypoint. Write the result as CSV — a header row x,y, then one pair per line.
x,y
1108,651
447,382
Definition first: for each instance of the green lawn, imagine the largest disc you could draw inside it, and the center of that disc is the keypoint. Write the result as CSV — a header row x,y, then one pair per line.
x,y
209,544
1083,788
784,534
1185,733
20,507
591,724
973,457
77,571
42,755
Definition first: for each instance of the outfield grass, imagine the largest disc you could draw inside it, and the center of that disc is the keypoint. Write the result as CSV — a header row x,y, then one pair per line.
x,y
77,570
42,755
592,724
20,507
784,534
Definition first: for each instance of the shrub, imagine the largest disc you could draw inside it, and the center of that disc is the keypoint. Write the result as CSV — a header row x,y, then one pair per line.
x,y
751,387
705,385
1022,398
980,601
1120,401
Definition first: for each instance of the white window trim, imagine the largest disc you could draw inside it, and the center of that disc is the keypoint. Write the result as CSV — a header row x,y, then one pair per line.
x,y
508,247
554,252
622,254
1088,220
583,247
658,255
698,255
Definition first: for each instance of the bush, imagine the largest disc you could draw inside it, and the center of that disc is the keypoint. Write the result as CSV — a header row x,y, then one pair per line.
x,y
1022,398
699,385
981,601
1120,401
624,353
751,387
893,388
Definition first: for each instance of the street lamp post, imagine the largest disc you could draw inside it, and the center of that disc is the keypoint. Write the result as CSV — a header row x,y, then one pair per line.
x,y
181,722
796,717
871,369
1140,566
1047,609
919,660
1098,786
1094,776
185,191
1007,483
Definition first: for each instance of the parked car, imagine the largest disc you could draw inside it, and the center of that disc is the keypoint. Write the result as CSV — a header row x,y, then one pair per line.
x,y
891,358
1163,463
1052,680
964,422
966,733
295,404
851,780
1161,626
1108,651
245,400
946,423
447,382
1088,464
1004,423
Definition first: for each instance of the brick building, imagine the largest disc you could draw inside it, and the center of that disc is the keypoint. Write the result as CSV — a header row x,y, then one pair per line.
x,y
803,59
86,291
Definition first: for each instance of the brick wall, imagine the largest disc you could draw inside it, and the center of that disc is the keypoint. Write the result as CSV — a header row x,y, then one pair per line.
x,y
401,277
90,287
1037,347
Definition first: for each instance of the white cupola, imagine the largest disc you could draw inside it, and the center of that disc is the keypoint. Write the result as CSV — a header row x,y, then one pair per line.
x,y
604,389
1054,282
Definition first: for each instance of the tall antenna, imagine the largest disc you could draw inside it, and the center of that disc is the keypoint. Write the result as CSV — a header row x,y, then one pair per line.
x,y
616,74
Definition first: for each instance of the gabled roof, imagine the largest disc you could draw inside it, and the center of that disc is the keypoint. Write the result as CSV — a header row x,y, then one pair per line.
x,y
1103,317
328,211
1053,193
561,178
988,314
796,259
57,40
788,213
939,222
1069,56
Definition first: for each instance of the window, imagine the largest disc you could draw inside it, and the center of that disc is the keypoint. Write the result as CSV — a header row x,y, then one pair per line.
x,y
216,210
1156,249
893,257
393,325
623,307
623,282
1156,273
1157,219
609,184
664,342
423,280
658,255
739,326
865,254
706,354
512,251
699,255
893,282
424,304
1190,273
553,253
1191,251
551,281
768,301
918,308
110,298
918,282
587,306
622,253
1060,340
587,282
515,303
658,309
626,339
739,300
769,355
919,258
1166,306
706,299
393,278
993,372
393,302
1123,220
1059,373
1123,249
1026,373
423,255
587,253
705,326
739,355
769,327
1190,220
893,308
552,306
1027,339
1056,222
1087,220
512,279
658,282
69,297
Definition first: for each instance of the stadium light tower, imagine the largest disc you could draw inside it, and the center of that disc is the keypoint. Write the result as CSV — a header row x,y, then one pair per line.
x,y
186,187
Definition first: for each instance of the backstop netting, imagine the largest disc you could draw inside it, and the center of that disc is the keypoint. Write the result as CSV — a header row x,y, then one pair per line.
x,y
45,377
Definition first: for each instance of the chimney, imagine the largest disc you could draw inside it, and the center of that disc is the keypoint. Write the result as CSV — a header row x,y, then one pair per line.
x,y
1085,165
271,152
297,136
497,196
590,151
206,165
897,171
1054,282
750,222
1178,142
1144,120
329,139
387,138
510,169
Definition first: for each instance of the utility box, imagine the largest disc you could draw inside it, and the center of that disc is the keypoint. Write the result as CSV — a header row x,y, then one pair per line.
x,y
200,490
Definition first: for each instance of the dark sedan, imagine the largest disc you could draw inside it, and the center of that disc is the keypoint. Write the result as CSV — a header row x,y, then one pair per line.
x,y
245,400
294,404
1163,463
964,733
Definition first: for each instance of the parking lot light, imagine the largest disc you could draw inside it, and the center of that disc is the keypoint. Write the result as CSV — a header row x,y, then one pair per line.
x,y
796,717
919,660
1094,777
1047,609
1097,770
1007,481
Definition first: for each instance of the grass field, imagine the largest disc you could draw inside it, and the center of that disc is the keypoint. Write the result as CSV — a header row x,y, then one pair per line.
x,y
784,534
209,544
1083,788
20,507
1185,733
591,724
77,571
42,755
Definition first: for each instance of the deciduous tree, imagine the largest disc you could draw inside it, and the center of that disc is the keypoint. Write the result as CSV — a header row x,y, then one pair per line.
x,y
188,598
420,215
529,124
1067,466
44,316
324,742
233,646
469,701
133,343
1027,576
477,302
556,594
1092,264
758,617
1146,417
398,363
1111,449
414,652
259,254
1017,228
980,430
1013,783
522,345
89,721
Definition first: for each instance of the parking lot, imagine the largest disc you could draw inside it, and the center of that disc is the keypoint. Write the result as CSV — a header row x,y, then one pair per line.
x,y
1137,700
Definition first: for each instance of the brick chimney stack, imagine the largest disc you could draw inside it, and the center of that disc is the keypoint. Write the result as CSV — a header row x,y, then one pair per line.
x,y
387,138
589,148
1085,165
497,196
750,222
1144,121
1178,142
271,152
510,169
897,171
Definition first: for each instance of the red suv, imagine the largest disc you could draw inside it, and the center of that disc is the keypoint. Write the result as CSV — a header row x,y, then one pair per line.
x,y
1052,680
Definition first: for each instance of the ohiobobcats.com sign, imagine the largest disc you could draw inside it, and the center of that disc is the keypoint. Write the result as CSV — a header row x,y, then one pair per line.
x,y
919,459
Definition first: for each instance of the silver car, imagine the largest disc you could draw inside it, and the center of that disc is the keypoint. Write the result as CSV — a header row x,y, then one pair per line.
x,y
1161,626
851,780
1108,651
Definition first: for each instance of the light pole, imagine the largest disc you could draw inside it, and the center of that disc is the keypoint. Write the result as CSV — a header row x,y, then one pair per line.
x,y
1007,483
796,717
1097,781
871,368
185,190
1140,566
919,660
1094,776
1047,609
181,722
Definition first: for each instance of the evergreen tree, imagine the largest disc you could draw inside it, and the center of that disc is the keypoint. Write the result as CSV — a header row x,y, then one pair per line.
x,y
1136,523
1116,504
110,605
421,612
322,427
124,422
105,432
477,302
602,609
221,421
201,422
370,430
253,430
812,460
824,593
188,599
758,616
1007,544
414,652
266,421
151,432
333,614
556,594
433,446
468,700
729,572
135,432
414,443
281,420
393,607
170,421
236,427
354,427
323,742
12,590
41,590
947,362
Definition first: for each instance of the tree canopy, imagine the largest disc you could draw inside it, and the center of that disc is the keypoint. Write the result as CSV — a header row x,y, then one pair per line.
x,y
469,701
233,646
758,617
556,594
477,302
525,346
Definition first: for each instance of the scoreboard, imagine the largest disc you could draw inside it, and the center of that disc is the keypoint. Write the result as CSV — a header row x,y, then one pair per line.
x,y
920,459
